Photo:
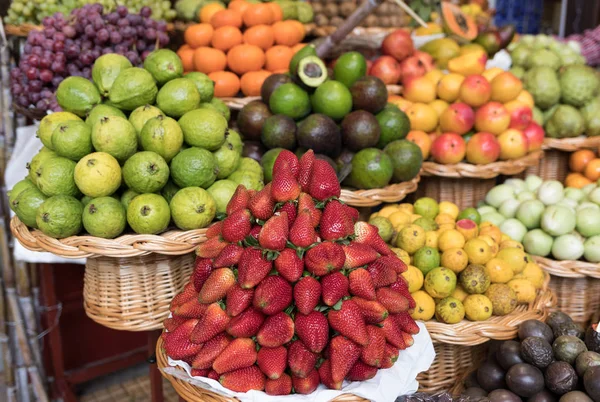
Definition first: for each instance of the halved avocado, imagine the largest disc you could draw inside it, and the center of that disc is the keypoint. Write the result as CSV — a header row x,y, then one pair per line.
x,y
308,50
312,72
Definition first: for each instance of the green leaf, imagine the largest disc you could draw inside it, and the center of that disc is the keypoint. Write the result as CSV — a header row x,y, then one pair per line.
x,y
220,216
337,306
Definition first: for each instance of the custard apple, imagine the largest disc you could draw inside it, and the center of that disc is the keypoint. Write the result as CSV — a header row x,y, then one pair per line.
x,y
542,83
544,57
565,122
579,85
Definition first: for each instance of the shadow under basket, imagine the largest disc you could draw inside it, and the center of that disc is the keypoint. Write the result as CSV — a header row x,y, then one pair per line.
x,y
464,192
577,297
134,293
554,166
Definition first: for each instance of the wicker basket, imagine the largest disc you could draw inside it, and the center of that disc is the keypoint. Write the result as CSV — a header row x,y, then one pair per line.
x,y
463,192
21,30
388,194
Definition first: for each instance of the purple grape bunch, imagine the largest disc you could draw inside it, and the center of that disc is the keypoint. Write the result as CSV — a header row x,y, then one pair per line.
x,y
68,46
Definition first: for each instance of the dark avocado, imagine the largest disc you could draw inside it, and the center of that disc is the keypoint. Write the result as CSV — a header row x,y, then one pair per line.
x,y
312,72
586,360
535,328
369,93
561,378
320,133
543,396
591,382
491,376
475,393
251,119
394,124
568,328
525,380
556,318
253,149
567,348
471,381
360,130
279,131
503,395
509,354
575,396
592,338
345,158
537,351
271,84
406,158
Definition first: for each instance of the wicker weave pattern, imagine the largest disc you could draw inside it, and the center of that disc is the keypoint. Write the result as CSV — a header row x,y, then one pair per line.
x,y
463,192
577,297
569,269
554,166
21,30
572,144
376,196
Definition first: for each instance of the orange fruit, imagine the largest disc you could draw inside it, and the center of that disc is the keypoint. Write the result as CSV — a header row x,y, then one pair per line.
x,y
224,18
238,5
258,14
226,37
260,35
288,33
580,159
198,35
277,11
227,84
186,54
208,60
206,13
278,58
252,81
577,180
244,58
422,140
592,170
297,47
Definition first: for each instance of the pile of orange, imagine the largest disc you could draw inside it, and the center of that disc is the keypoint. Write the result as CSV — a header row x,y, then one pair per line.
x,y
585,168
239,47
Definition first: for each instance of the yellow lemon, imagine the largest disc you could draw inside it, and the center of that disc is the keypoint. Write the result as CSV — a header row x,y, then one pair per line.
x,y
449,208
411,238
533,273
406,207
504,238
499,270
434,75
451,239
402,254
431,239
487,229
490,242
439,106
510,243
388,210
442,218
478,251
459,293
414,277
478,307
455,259
444,227
524,289
425,306
515,257
399,218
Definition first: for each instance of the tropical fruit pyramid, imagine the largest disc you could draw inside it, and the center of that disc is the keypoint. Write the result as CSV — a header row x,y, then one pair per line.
x,y
291,291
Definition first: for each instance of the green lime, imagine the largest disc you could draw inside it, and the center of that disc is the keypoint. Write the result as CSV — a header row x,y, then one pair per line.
x,y
222,191
221,107
385,227
427,224
162,135
268,160
204,128
250,180
178,97
426,259
146,172
192,208
426,207
100,111
116,136
290,100
55,177
169,190
333,99
194,167
227,159
49,123
37,161
406,158
235,139
26,205
371,168
350,67
204,85
104,217
164,65
85,200
148,214
126,197
72,139
17,189
140,116
394,125
77,95
469,213
250,165
98,174
60,216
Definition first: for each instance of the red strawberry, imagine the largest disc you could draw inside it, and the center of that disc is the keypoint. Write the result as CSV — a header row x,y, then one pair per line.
x,y
255,231
408,339
173,322
372,311
247,324
325,375
343,353
217,285
240,353
261,204
272,361
290,209
302,233
300,359
274,233
191,309
229,257
272,295
187,293
324,183
313,330
305,201
396,263
347,319
406,323
202,269
307,293
284,185
252,268
381,273
212,374
372,353
239,200
392,334
238,300
390,355
177,344
288,158
214,322
324,258
199,372
306,385
369,234
243,380
277,330
211,248
210,351
237,226
361,372
361,284
306,164
214,230
393,301
335,286
289,265
280,386
358,255
401,287
351,212
335,223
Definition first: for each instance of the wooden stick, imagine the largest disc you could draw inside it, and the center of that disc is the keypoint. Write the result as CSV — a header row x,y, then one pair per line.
x,y
410,12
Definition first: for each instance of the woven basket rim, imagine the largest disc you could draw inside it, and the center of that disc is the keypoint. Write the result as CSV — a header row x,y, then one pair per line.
x,y
489,171
569,268
173,242
31,113
21,30
312,29
572,144
470,333
373,197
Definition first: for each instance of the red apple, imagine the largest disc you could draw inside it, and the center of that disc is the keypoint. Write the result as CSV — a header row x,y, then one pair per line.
x,y
387,69
513,144
448,148
458,118
369,65
520,117
492,118
410,68
398,44
535,135
475,90
483,148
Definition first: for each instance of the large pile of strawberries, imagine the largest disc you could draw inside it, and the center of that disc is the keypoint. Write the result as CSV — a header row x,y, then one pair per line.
x,y
291,290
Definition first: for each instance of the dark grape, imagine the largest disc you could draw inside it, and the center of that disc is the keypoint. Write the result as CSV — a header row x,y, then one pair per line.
x,y
16,88
31,73
151,33
35,86
122,11
90,32
146,12
58,46
57,80
112,18
23,100
34,97
115,38
34,60
69,31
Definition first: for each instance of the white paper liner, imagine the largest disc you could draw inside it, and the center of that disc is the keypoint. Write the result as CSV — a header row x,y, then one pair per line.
x,y
386,386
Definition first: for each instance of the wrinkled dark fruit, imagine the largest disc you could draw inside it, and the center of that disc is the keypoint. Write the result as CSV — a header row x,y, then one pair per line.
x,y
535,328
